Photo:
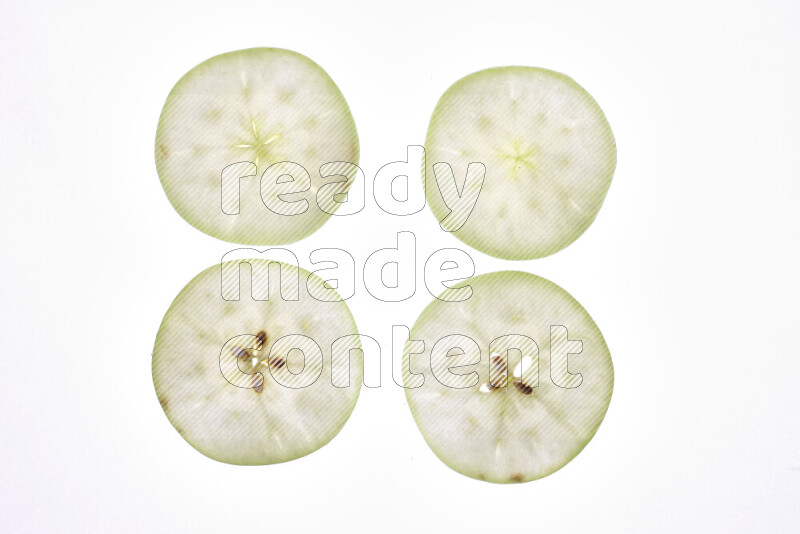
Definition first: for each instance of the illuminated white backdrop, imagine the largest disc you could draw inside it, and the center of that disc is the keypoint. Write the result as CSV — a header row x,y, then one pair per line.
x,y
690,269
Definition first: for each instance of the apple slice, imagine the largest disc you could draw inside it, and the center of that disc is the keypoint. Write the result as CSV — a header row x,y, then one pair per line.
x,y
231,380
549,157
536,398
238,115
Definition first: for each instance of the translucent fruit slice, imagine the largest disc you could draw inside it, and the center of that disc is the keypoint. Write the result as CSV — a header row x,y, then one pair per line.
x,y
548,152
230,381
536,398
232,117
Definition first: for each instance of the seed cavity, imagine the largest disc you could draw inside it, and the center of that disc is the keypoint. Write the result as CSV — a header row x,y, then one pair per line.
x,y
523,365
243,353
498,375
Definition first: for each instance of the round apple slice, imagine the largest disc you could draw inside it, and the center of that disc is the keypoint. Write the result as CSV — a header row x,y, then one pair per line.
x,y
241,141
548,153
512,383
252,382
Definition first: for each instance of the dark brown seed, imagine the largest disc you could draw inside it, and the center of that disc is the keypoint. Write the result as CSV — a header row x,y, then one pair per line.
x,y
523,388
259,385
498,367
241,354
277,363
261,338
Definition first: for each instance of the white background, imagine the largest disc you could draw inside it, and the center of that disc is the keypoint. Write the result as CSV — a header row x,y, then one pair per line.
x,y
690,268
